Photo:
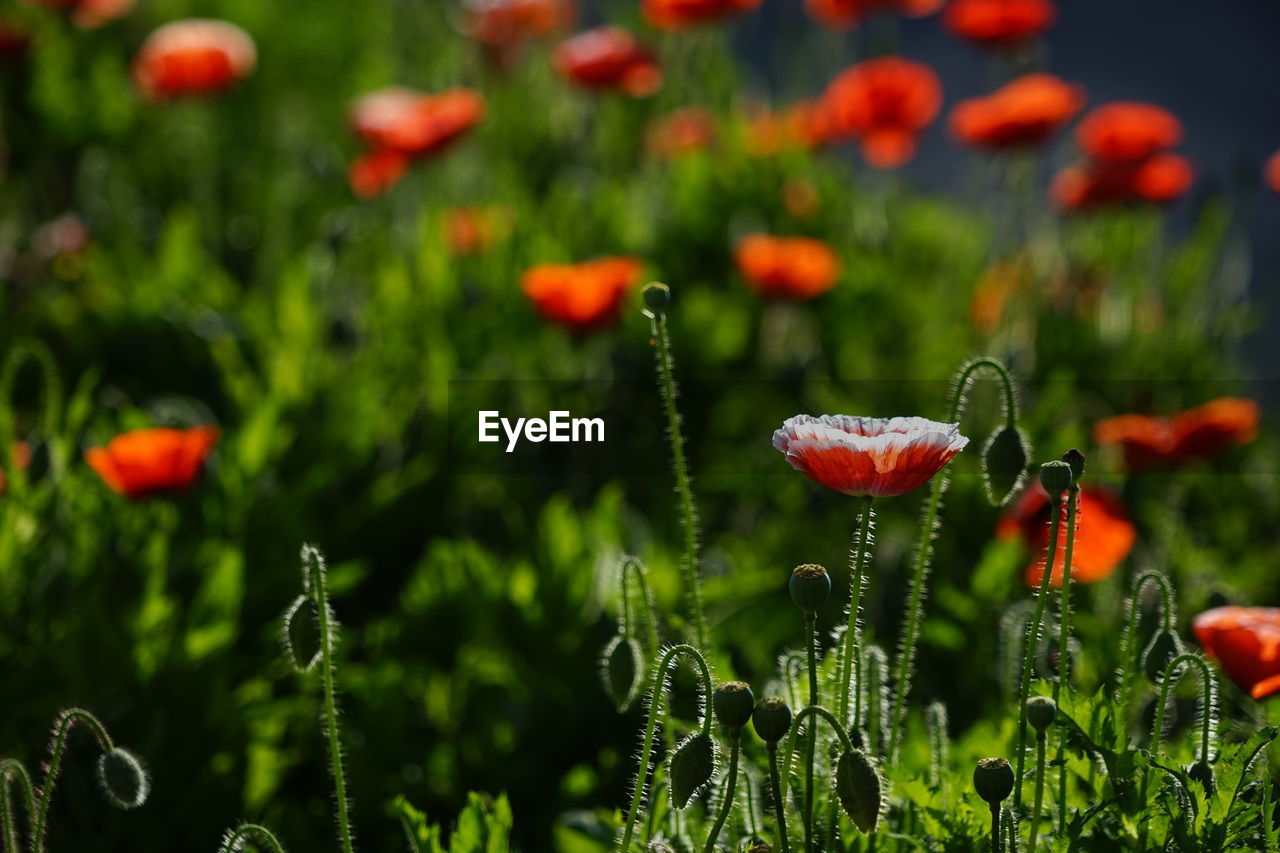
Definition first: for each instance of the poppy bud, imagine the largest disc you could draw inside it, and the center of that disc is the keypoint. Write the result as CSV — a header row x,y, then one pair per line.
x,y
1075,459
658,297
859,788
1055,477
733,704
1201,772
993,780
1164,647
1004,463
692,766
810,585
301,634
772,719
620,670
1041,712
123,780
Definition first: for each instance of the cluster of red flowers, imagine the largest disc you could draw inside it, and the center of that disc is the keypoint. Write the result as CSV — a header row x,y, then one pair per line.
x,y
1022,113
581,297
1197,434
1127,145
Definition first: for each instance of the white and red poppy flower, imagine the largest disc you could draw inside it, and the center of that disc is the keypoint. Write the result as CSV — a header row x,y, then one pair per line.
x,y
197,56
876,457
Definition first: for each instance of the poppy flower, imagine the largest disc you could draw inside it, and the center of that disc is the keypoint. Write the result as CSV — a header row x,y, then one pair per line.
x,y
883,103
19,459
1127,132
787,267
374,173
1271,172
877,457
1164,178
1024,112
1200,433
678,14
681,132
1104,534
1246,641
153,461
582,297
471,230
998,23
193,57
413,123
608,58
847,14
502,23
800,126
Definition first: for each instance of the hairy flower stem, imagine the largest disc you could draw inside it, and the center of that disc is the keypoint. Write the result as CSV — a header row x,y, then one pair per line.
x,y
67,720
1039,801
726,806
1032,643
12,771
851,659
779,805
805,713
1064,651
811,641
924,548
235,840
657,692
689,564
1130,652
1172,673
633,568
995,828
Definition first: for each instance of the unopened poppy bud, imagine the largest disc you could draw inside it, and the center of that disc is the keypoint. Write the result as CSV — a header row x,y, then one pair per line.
x,y
1055,477
692,766
772,719
658,297
620,666
733,704
1004,462
1163,648
123,779
859,788
1041,712
1075,459
810,586
993,780
1203,773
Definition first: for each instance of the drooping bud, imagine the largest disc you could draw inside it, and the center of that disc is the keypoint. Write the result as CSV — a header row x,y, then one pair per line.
x,y
860,790
692,765
1163,648
124,781
1075,459
993,780
301,634
1202,772
658,297
620,669
1055,477
1004,464
771,719
810,586
1041,712
733,704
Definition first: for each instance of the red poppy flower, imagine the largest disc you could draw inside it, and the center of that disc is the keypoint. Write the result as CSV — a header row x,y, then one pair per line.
x,y
681,132
413,123
883,103
801,125
998,23
153,461
677,14
1200,433
19,459
879,457
501,23
374,173
1104,534
847,14
1024,112
582,297
1163,178
193,57
1127,132
609,58
1271,172
787,267
1246,641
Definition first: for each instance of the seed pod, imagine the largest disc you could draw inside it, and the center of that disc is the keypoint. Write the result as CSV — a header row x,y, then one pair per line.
x,y
1075,459
810,586
620,670
733,704
1004,464
772,719
1041,712
1164,647
859,788
1203,773
124,781
301,634
658,297
993,780
1055,476
692,766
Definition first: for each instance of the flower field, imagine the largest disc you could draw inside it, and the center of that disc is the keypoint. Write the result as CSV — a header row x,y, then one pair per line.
x,y
813,506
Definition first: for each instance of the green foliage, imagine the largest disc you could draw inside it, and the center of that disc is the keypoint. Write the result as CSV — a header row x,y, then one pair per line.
x,y
483,826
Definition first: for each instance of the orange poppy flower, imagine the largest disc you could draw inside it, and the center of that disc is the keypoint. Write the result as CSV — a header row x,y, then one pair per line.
x,y
877,457
787,267
1246,641
681,132
1024,112
847,14
884,103
609,58
374,173
153,461
1163,178
19,459
582,297
677,14
501,23
193,57
1200,433
413,123
800,125
1271,172
998,23
1104,534
471,230
1127,132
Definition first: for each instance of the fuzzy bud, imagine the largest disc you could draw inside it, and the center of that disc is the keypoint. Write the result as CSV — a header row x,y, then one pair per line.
x,y
692,766
1041,712
860,790
301,634
810,586
123,779
1075,459
657,296
1004,464
993,780
772,719
1055,477
1164,647
733,704
620,666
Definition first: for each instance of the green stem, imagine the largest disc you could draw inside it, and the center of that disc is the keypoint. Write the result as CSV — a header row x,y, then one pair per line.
x,y
12,770
811,631
727,805
1064,651
1033,642
235,840
1268,814
779,804
1172,673
632,567
995,828
850,661
1039,802
810,711
67,720
752,826
689,565
657,691
1129,651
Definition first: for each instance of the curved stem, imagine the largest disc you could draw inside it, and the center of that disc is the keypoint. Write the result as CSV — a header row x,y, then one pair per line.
x,y
811,631
1033,642
13,770
727,805
779,804
965,378
1129,663
234,842
689,565
1172,673
1039,801
657,691
810,711
850,660
57,749
631,566
1064,650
